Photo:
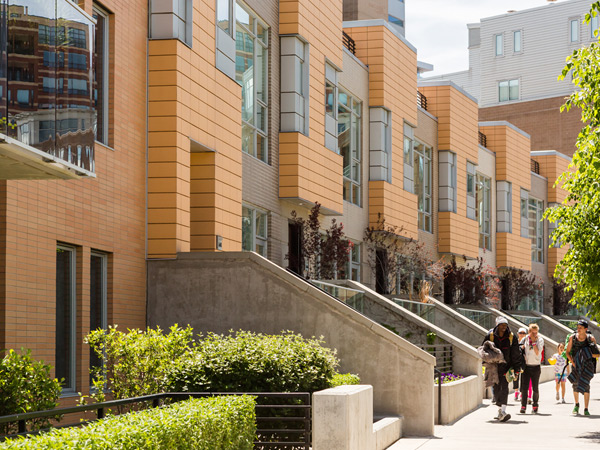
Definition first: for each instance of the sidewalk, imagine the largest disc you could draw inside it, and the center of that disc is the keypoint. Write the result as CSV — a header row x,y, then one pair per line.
x,y
554,427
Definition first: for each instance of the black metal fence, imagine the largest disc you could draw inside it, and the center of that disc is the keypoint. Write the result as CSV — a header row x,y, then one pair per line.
x,y
421,100
535,166
283,419
349,43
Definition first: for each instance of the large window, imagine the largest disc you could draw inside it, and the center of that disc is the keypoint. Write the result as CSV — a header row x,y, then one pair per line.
x,y
349,144
65,317
98,300
483,211
77,38
536,229
508,90
423,175
100,73
251,72
254,230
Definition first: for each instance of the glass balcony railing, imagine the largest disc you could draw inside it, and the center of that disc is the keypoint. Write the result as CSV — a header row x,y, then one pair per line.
x,y
44,104
351,297
423,310
527,320
484,319
572,324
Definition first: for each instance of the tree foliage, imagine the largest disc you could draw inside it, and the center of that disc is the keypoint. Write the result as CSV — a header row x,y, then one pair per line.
x,y
578,217
324,255
471,284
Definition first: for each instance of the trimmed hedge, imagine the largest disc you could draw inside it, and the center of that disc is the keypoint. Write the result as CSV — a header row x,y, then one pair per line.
x,y
343,379
217,423
25,386
249,362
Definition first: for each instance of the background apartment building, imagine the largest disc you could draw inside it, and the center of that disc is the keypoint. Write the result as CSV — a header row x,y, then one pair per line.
x,y
514,62
72,233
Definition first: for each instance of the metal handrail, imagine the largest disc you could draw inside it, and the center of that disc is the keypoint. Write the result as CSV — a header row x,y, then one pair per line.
x,y
348,42
439,378
324,283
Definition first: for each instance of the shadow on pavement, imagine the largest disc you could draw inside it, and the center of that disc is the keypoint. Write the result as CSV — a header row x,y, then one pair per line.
x,y
510,422
593,437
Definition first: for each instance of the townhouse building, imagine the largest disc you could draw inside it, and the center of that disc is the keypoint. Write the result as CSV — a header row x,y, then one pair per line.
x,y
73,146
515,59
136,131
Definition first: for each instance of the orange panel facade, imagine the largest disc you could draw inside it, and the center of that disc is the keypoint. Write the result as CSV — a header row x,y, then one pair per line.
x,y
512,148
194,167
457,132
392,84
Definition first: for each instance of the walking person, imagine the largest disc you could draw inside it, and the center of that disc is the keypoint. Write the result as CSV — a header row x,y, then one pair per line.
x,y
560,375
508,344
521,333
581,351
533,346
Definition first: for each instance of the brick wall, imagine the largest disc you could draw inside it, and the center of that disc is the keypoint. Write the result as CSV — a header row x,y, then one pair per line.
x,y
106,213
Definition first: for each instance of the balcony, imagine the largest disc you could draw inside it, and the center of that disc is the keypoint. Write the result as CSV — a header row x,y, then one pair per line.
x,y
47,119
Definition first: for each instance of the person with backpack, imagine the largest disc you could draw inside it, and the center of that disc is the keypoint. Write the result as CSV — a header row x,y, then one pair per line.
x,y
533,347
508,344
581,352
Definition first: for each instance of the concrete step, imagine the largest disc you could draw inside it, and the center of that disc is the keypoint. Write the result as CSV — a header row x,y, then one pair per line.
x,y
387,431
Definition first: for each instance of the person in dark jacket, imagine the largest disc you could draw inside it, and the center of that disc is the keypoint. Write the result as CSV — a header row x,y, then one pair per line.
x,y
508,343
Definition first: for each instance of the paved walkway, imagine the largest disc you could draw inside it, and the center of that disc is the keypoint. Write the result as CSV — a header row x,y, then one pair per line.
x,y
554,427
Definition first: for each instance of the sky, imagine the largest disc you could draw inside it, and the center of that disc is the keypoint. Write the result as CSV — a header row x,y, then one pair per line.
x,y
438,28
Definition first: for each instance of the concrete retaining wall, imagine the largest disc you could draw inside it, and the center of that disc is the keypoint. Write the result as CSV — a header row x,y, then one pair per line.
x,y
222,291
458,398
457,324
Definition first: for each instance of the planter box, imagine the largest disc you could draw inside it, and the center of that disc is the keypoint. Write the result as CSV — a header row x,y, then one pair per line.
x,y
458,398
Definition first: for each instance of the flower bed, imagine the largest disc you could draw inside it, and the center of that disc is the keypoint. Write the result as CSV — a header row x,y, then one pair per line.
x,y
449,377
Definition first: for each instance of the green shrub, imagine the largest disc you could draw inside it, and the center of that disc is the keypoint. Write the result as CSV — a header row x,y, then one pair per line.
x,y
136,361
342,379
218,423
248,362
25,386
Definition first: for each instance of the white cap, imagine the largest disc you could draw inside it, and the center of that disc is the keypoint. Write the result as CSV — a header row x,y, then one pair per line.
x,y
523,330
501,319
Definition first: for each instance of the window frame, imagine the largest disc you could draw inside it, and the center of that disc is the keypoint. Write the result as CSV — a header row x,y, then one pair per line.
x,y
537,240
232,22
509,86
103,295
354,264
105,81
520,41
254,235
574,21
354,161
427,164
498,45
72,304
483,187
257,102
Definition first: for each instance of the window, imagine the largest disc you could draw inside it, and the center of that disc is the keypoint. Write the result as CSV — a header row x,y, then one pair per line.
x,y
349,144
483,211
524,213
224,15
65,316
48,84
499,44
423,174
100,73
294,85
98,300
330,96
380,147
77,87
395,21
447,181
46,130
574,30
409,171
536,229
54,59
77,38
252,74
471,201
78,60
25,97
254,230
508,90
517,41
594,26
353,269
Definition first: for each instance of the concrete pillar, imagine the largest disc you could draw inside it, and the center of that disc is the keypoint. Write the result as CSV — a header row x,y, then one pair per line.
x,y
343,418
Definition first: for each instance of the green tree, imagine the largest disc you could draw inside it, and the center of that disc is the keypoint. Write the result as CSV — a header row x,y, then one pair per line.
x,y
578,217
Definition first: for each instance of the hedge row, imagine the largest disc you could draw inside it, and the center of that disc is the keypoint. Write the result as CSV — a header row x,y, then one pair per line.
x,y
218,423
